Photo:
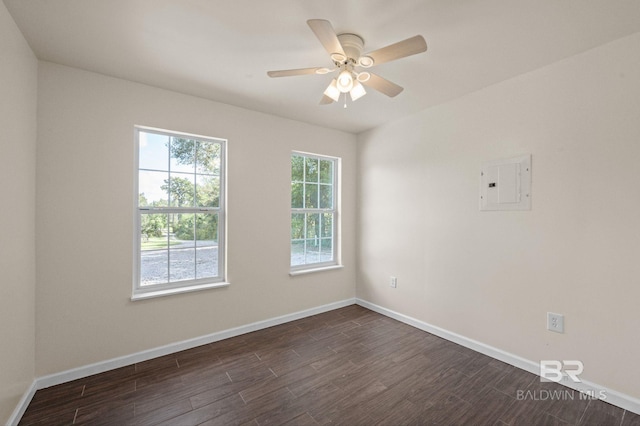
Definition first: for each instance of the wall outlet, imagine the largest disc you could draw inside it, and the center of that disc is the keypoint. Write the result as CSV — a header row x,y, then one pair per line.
x,y
555,322
393,282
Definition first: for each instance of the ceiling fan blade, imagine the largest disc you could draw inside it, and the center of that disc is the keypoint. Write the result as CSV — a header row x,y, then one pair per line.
x,y
383,85
327,36
326,100
288,73
401,49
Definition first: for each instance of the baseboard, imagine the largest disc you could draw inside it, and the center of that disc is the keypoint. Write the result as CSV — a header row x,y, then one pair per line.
x,y
15,417
613,397
101,367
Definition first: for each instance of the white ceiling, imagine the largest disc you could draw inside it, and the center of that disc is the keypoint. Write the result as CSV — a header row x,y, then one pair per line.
x,y
222,50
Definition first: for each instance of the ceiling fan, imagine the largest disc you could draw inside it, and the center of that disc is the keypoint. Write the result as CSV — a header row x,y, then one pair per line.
x,y
346,54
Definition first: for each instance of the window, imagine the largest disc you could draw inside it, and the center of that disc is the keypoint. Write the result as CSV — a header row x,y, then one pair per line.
x,y
180,213
314,213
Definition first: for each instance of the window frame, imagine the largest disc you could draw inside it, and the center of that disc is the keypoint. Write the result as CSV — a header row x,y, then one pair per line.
x,y
163,289
335,262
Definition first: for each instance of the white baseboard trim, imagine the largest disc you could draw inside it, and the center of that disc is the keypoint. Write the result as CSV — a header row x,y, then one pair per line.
x,y
613,397
110,364
15,417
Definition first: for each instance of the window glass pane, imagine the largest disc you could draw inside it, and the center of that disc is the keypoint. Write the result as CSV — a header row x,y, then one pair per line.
x,y
183,155
206,229
326,171
310,195
312,254
153,151
326,196
296,195
297,252
154,244
313,225
297,168
297,226
182,264
152,189
208,157
181,229
326,250
207,245
206,262
327,225
311,170
154,267
207,191
154,231
181,190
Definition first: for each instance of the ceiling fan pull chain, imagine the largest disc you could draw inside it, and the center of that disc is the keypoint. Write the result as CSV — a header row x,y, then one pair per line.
x,y
345,100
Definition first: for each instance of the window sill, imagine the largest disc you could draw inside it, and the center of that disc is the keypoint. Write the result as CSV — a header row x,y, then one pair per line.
x,y
312,270
171,291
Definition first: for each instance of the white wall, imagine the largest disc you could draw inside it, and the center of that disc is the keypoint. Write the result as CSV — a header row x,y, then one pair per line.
x,y
85,219
492,276
18,85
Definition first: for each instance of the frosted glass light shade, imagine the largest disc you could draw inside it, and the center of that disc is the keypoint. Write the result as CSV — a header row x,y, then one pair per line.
x,y
332,91
358,91
345,81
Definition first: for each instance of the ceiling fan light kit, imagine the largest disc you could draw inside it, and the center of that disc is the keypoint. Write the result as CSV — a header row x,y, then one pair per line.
x,y
332,91
363,77
338,57
345,50
358,91
345,81
365,61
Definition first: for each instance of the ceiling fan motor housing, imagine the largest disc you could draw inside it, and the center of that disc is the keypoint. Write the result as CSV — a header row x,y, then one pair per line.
x,y
352,45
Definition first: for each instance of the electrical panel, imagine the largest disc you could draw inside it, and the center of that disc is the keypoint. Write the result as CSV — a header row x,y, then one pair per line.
x,y
506,184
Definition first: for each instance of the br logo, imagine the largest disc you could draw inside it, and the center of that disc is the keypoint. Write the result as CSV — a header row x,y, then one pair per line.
x,y
554,371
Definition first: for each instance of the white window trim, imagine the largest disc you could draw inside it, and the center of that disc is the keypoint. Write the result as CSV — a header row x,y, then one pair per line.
x,y
170,291
142,293
296,272
336,263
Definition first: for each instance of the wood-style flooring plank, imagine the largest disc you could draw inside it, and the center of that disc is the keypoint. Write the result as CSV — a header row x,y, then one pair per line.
x,y
350,366
630,419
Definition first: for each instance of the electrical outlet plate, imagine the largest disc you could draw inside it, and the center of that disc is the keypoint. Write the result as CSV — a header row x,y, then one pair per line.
x,y
393,282
555,322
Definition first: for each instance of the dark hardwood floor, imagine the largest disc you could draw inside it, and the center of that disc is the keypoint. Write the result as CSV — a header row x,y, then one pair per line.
x,y
350,366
